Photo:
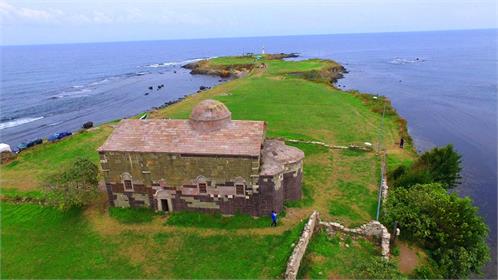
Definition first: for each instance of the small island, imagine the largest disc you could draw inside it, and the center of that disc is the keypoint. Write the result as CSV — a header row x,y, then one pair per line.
x,y
346,168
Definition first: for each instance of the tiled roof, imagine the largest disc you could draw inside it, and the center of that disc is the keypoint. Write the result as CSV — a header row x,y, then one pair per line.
x,y
243,138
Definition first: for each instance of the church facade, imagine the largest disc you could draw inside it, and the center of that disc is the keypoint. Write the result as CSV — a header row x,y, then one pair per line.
x,y
208,163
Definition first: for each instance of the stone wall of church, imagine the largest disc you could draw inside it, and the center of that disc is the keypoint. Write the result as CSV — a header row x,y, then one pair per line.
x,y
176,169
242,192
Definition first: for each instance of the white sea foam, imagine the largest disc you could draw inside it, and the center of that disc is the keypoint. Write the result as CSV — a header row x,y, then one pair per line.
x,y
77,93
173,63
18,122
100,82
399,60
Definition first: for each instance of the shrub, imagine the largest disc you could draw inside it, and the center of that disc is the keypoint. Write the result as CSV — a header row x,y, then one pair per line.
x,y
447,225
439,165
73,186
376,268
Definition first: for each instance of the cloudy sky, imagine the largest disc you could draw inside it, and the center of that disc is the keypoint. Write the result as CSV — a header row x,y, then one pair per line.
x,y
69,21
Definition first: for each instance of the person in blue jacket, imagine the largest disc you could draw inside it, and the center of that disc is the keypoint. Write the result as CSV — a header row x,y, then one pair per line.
x,y
273,218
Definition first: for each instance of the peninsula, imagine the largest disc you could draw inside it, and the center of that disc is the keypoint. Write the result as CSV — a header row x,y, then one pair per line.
x,y
344,157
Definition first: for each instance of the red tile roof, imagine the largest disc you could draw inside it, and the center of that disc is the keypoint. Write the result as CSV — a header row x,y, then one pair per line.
x,y
241,138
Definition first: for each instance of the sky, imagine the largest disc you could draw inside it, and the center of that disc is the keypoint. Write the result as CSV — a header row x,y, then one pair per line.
x,y
25,22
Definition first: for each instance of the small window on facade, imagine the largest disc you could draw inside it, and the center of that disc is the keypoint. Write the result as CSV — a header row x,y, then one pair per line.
x,y
239,189
202,188
127,185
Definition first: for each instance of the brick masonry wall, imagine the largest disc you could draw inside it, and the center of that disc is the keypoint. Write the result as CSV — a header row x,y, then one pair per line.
x,y
292,185
267,198
152,172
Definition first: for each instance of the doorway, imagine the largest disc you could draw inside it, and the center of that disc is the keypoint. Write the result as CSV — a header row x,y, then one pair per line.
x,y
164,205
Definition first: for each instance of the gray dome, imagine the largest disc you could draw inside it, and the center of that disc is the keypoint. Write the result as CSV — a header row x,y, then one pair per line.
x,y
210,115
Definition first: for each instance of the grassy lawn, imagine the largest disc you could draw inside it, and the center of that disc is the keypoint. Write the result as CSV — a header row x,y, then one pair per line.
x,y
340,257
232,60
41,242
32,165
202,220
132,215
342,185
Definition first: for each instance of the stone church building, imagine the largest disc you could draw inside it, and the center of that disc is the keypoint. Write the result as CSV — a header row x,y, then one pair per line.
x,y
208,163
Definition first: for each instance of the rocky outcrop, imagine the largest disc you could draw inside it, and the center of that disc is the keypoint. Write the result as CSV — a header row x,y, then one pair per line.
x,y
224,71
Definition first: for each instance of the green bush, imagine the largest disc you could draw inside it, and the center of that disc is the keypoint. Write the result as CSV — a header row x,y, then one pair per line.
x,y
132,215
395,251
439,165
445,224
74,186
376,268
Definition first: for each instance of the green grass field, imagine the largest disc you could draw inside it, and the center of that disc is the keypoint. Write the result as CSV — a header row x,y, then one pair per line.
x,y
40,242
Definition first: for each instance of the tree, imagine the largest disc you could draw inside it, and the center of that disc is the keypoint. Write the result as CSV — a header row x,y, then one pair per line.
x,y
74,186
447,225
439,165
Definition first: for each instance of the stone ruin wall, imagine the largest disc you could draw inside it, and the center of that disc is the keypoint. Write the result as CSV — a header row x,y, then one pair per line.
x,y
300,249
372,230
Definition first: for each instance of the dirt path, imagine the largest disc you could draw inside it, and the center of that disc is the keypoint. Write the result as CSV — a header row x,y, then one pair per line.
x,y
408,258
101,222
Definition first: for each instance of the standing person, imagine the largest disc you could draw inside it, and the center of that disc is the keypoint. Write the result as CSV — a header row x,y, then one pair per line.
x,y
273,218
401,143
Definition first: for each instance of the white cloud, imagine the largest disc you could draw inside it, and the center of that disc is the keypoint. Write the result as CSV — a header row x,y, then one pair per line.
x,y
110,14
11,14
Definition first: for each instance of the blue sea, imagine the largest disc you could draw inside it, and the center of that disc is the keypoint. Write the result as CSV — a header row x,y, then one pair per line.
x,y
443,83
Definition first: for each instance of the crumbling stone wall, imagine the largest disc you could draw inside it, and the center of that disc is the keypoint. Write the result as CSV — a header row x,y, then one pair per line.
x,y
372,230
300,249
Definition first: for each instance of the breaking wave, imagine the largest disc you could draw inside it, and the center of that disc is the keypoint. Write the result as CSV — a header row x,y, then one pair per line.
x,y
18,122
173,63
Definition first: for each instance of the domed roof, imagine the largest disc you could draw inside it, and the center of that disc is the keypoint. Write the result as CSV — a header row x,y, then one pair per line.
x,y
210,110
210,115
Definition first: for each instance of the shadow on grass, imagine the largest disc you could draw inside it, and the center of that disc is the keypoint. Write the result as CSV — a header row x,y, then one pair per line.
x,y
203,220
132,215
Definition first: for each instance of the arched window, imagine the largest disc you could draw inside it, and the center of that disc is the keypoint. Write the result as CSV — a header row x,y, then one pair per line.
x,y
202,184
240,184
126,179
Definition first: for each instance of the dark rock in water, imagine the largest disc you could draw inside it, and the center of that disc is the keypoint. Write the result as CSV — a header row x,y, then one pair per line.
x,y
150,88
203,88
146,93
87,125
220,80
174,71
